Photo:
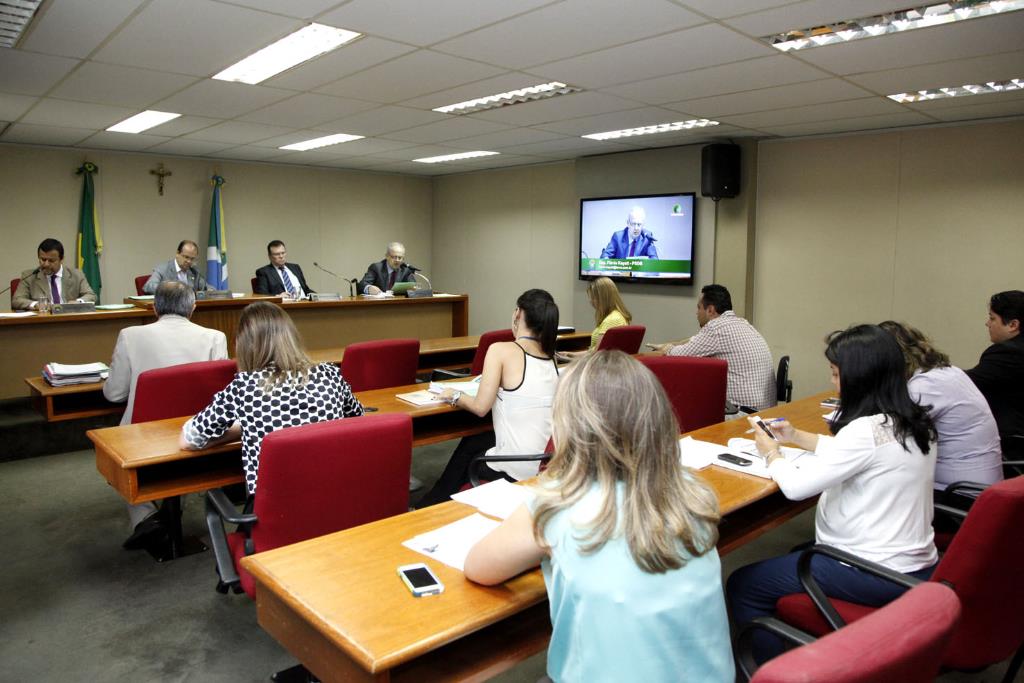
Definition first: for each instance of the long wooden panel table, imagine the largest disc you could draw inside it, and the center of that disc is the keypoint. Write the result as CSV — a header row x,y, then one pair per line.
x,y
337,605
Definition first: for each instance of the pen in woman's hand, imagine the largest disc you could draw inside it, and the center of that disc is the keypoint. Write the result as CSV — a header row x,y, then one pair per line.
x,y
768,422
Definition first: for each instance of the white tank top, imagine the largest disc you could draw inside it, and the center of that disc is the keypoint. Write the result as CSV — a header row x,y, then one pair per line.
x,y
522,417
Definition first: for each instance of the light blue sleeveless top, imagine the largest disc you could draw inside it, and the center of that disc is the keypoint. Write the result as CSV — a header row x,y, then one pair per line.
x,y
614,622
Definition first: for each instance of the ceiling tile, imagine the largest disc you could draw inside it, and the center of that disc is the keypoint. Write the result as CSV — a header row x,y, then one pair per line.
x,y
373,146
249,153
798,15
121,85
183,125
303,9
849,125
423,23
634,118
220,99
289,138
556,109
565,148
934,106
383,120
418,73
961,40
816,112
307,110
27,73
449,129
731,8
189,147
51,112
44,135
417,152
797,94
125,141
13,106
990,109
565,29
238,132
998,67
762,72
504,138
92,21
197,37
356,56
707,45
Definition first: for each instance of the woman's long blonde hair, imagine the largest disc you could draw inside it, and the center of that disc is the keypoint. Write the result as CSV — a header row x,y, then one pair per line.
x,y
604,297
267,340
613,423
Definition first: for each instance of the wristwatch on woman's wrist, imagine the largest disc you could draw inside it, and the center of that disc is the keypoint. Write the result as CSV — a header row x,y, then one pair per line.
x,y
454,400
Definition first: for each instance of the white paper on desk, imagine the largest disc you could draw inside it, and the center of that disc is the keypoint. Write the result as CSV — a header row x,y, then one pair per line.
x,y
421,398
468,388
747,448
83,369
499,498
698,454
451,543
18,314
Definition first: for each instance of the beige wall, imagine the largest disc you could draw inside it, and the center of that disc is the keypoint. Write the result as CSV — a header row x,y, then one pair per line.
x,y
917,225
342,219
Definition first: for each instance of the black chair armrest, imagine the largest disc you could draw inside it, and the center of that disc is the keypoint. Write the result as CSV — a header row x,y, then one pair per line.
x,y
948,510
440,374
818,596
479,461
226,509
965,488
219,509
744,640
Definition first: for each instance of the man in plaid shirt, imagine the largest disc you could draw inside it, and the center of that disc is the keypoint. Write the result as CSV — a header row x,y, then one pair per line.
x,y
725,335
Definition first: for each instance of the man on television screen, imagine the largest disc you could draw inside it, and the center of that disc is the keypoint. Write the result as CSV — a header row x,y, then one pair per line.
x,y
632,240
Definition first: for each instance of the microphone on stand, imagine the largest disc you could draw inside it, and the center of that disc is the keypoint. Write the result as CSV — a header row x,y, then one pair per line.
x,y
335,275
415,293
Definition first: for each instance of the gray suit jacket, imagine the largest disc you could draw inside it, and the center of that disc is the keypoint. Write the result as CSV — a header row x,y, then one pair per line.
x,y
36,285
168,271
171,340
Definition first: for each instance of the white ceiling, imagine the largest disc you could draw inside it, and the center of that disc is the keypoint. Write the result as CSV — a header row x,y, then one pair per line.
x,y
86,64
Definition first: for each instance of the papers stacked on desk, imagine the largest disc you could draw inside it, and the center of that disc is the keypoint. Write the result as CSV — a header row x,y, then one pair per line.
x,y
451,543
60,375
18,314
498,498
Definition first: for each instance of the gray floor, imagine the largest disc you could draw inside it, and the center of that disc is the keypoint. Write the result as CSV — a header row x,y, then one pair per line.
x,y
74,606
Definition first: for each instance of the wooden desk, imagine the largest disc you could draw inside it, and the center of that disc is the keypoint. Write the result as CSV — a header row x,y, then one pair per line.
x,y
337,605
71,402
143,462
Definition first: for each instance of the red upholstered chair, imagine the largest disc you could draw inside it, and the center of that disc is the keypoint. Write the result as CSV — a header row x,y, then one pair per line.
x,y
14,288
982,565
486,339
902,641
695,387
140,282
380,364
252,284
314,480
626,338
180,389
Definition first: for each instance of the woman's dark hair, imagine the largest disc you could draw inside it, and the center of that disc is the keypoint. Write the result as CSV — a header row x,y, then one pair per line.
x,y
541,314
872,380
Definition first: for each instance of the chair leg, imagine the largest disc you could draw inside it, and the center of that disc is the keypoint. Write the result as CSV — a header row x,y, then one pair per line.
x,y
295,674
1011,671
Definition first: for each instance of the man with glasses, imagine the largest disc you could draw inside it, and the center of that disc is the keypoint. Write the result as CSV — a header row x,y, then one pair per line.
x,y
181,268
52,280
632,241
280,277
381,276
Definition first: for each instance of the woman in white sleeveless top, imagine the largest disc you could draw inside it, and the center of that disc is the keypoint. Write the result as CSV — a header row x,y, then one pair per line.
x,y
517,387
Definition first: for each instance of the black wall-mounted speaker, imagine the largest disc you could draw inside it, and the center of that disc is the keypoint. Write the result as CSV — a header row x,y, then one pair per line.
x,y
720,171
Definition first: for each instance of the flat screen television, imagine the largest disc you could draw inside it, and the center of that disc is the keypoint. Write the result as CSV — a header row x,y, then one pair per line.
x,y
644,238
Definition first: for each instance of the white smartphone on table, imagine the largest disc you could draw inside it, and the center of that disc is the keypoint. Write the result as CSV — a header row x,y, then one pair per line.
x,y
420,580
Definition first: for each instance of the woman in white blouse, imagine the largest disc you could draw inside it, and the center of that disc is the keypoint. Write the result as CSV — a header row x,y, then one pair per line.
x,y
875,478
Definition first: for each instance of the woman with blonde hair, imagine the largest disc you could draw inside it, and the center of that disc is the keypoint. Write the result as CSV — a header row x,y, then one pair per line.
x,y
609,310
276,386
625,536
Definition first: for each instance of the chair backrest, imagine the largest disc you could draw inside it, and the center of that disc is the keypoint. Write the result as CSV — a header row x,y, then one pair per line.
x,y
486,339
180,389
902,641
14,288
783,384
140,282
379,364
252,284
983,565
329,476
626,338
695,386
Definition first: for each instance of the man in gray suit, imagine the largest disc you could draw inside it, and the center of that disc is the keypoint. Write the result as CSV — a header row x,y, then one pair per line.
x,y
172,340
181,268
52,279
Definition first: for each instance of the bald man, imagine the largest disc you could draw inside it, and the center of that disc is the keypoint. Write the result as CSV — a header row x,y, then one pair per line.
x,y
632,241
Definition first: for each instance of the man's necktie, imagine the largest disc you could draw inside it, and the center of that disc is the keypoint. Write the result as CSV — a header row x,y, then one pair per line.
x,y
183,276
54,289
391,280
632,247
289,287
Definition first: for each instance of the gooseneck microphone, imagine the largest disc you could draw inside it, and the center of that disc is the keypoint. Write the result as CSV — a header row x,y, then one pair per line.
x,y
351,283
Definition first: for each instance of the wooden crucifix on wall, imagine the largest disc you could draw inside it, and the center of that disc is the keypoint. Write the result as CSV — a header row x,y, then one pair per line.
x,y
160,174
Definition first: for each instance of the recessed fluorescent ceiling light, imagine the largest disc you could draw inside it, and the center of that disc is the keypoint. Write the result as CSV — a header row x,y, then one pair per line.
x,y
650,130
301,46
143,121
503,99
14,18
959,91
922,16
454,157
322,142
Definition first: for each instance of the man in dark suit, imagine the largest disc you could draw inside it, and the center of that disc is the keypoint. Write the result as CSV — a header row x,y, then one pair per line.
x,y
181,268
999,373
51,280
632,240
280,277
382,275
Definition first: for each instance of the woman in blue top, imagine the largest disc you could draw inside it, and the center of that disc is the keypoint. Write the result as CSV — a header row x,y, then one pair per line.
x,y
624,534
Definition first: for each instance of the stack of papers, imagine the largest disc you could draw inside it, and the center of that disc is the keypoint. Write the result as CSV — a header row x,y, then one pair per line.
x,y
469,388
18,314
498,498
451,543
421,398
60,375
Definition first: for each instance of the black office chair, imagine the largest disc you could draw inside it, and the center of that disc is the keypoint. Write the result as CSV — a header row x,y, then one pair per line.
x,y
783,384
